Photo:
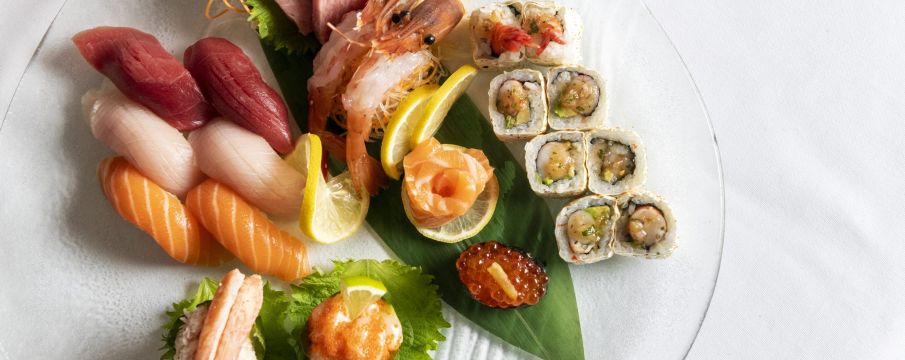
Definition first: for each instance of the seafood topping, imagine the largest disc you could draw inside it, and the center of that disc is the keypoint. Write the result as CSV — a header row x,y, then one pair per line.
x,y
646,226
556,161
442,181
579,95
409,25
333,334
547,28
508,38
512,102
618,161
501,277
585,228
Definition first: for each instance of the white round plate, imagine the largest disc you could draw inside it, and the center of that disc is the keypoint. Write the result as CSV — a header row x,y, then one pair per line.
x,y
79,282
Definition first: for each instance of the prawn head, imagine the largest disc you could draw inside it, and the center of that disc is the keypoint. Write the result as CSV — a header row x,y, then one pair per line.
x,y
405,26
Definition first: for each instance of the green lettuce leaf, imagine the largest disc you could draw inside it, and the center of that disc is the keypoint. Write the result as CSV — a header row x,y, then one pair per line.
x,y
278,30
409,290
206,290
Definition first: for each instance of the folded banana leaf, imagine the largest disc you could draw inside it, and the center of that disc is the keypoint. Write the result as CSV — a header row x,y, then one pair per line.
x,y
549,329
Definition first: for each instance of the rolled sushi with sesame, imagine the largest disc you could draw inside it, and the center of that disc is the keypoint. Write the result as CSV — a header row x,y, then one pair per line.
x,y
576,98
555,33
555,164
585,228
616,161
518,105
646,227
497,38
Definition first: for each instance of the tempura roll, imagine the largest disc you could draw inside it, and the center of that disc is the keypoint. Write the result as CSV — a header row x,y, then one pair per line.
x,y
555,164
518,106
496,35
585,229
555,33
646,226
577,99
616,161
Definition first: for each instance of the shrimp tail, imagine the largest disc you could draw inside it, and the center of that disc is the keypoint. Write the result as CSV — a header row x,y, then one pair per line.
x,y
366,171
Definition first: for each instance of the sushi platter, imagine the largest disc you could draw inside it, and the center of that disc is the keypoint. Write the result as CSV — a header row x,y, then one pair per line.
x,y
380,179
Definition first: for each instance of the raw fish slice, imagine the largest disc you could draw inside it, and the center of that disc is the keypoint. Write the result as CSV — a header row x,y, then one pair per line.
x,y
143,138
235,88
325,12
158,213
141,68
218,314
247,233
244,161
300,13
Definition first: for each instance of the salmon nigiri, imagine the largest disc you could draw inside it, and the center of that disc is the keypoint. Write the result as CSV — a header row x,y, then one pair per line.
x,y
159,213
247,233
157,149
244,161
147,73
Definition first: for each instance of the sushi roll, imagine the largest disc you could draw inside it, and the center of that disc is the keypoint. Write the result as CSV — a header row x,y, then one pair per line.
x,y
555,164
616,161
577,98
518,105
496,35
585,228
555,33
646,226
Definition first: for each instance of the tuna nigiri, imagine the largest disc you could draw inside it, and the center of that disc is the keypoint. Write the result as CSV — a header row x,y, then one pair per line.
x,y
247,233
158,150
244,161
141,68
235,88
159,213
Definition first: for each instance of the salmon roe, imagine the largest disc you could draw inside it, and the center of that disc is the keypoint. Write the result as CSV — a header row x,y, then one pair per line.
x,y
527,276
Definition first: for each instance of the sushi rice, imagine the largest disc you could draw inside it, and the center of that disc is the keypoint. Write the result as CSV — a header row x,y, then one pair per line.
x,y
509,13
622,242
633,180
555,54
533,80
603,250
575,185
556,81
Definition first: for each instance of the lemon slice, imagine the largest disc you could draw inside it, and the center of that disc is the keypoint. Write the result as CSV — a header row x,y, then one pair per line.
x,y
466,226
441,102
358,292
397,137
331,210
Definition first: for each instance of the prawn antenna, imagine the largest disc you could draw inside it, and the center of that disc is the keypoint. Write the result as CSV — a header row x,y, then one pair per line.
x,y
229,7
356,42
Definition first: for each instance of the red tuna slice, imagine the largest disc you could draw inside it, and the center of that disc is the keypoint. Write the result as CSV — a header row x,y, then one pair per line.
x,y
235,88
146,73
325,12
300,13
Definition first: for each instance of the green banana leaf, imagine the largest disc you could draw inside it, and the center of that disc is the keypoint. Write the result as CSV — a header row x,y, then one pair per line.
x,y
549,329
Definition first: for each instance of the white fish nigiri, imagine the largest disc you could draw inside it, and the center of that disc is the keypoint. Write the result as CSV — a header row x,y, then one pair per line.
x,y
148,142
246,163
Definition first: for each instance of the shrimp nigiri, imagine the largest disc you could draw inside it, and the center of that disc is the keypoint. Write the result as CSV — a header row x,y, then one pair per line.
x,y
159,213
247,233
244,161
143,138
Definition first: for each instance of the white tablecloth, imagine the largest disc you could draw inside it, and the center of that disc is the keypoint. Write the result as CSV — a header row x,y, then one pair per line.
x,y
808,104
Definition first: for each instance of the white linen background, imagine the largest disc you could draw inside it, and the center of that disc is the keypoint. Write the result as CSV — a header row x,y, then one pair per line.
x,y
807,100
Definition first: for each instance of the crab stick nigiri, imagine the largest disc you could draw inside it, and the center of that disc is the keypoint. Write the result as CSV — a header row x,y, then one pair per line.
x,y
247,233
236,89
158,150
159,213
143,70
244,161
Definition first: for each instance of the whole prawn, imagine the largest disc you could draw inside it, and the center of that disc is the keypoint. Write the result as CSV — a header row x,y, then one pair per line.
x,y
371,61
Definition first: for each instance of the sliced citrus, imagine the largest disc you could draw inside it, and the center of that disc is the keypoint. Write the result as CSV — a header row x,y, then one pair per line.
x,y
439,104
331,210
397,137
466,226
360,291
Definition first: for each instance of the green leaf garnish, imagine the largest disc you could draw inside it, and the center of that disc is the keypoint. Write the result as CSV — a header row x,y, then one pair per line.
x,y
278,30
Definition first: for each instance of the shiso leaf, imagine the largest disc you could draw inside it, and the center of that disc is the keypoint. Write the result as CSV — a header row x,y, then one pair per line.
x,y
278,30
409,290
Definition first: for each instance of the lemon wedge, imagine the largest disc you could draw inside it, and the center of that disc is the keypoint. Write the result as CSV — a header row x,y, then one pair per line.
x,y
466,226
397,137
439,104
331,210
359,292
